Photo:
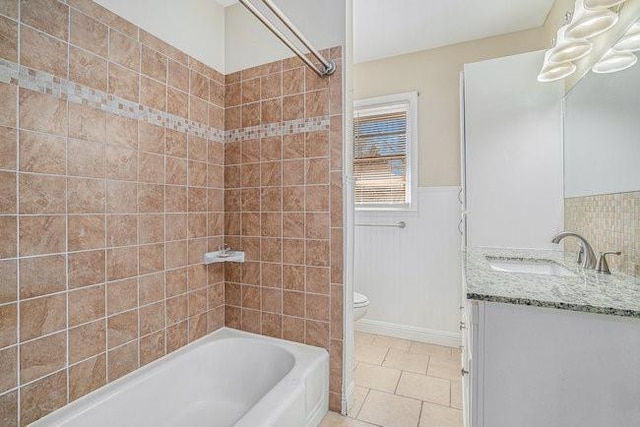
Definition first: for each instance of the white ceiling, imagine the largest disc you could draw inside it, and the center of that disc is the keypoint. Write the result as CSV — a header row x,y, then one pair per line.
x,y
384,28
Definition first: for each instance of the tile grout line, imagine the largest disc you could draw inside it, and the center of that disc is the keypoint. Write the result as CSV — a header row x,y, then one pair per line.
x,y
18,278
66,212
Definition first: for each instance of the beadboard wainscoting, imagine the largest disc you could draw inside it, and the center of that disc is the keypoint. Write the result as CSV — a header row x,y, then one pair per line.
x,y
412,276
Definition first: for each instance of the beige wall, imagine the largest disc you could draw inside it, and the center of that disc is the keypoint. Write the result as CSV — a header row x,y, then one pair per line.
x,y
435,75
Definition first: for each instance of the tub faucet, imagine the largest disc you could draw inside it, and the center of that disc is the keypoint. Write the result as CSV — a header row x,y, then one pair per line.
x,y
586,257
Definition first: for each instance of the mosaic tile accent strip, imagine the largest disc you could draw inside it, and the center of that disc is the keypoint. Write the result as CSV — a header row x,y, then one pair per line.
x,y
47,83
313,124
610,222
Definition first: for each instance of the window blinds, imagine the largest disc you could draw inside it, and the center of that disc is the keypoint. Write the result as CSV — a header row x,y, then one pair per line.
x,y
380,155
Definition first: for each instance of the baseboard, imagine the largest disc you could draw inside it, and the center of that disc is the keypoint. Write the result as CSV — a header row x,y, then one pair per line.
x,y
413,333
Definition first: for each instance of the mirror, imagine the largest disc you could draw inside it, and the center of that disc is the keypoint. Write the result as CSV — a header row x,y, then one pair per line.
x,y
602,164
602,134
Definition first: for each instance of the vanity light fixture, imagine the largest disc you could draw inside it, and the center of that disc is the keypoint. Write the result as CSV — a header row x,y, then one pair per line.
x,y
602,4
590,23
568,49
614,61
630,42
555,71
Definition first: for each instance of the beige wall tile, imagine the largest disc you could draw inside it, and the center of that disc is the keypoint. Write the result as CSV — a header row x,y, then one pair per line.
x,y
42,113
8,281
87,340
86,268
154,64
86,305
8,325
41,235
42,397
41,316
87,376
88,33
9,34
50,17
9,366
42,356
42,52
42,275
42,153
124,50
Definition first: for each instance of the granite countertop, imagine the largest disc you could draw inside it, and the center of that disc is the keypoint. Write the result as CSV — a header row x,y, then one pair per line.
x,y
616,294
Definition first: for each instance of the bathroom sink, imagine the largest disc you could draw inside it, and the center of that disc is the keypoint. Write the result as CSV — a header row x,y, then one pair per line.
x,y
528,265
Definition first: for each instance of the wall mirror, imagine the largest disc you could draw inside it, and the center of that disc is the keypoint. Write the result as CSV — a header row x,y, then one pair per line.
x,y
602,134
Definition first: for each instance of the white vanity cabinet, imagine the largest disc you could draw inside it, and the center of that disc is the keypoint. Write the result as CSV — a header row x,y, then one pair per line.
x,y
547,367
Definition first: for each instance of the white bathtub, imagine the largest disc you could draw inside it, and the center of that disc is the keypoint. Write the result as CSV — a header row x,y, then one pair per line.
x,y
228,378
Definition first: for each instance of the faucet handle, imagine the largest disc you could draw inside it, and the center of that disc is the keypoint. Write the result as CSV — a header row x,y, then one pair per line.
x,y
603,265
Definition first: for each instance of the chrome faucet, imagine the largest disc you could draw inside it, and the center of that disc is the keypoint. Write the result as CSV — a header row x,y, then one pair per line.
x,y
586,257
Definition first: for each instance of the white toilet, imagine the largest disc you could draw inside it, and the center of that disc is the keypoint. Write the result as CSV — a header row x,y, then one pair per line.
x,y
360,306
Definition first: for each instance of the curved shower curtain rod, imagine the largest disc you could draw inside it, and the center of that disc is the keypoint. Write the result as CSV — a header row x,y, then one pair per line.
x,y
328,65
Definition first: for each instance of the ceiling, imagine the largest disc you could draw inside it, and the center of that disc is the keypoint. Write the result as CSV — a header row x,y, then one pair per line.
x,y
384,28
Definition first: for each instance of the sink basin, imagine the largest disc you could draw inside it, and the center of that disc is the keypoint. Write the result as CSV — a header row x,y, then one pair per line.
x,y
528,265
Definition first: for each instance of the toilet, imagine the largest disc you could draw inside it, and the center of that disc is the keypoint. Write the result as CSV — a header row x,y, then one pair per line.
x,y
360,306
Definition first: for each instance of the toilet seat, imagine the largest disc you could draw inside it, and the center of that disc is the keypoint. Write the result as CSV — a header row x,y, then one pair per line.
x,y
360,300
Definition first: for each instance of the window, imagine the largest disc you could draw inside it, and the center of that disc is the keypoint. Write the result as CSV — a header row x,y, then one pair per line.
x,y
385,154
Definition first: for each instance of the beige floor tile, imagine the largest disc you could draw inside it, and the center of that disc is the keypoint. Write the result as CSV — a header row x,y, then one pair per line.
x,y
392,342
370,353
449,369
456,394
405,361
378,377
359,394
430,349
389,410
440,416
333,419
422,387
363,337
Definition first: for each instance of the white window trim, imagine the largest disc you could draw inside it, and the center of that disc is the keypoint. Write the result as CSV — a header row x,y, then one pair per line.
x,y
412,149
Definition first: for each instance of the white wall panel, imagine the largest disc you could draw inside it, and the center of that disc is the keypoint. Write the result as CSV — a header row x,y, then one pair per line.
x,y
412,276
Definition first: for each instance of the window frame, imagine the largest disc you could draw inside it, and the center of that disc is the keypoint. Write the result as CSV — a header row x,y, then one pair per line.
x,y
411,176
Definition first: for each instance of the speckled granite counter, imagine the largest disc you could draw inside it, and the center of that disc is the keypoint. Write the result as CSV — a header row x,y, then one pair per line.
x,y
587,291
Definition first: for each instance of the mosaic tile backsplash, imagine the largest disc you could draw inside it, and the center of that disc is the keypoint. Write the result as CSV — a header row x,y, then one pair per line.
x,y
610,222
123,160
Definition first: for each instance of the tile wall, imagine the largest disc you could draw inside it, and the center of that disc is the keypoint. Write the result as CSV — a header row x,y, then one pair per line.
x,y
610,222
283,205
111,189
114,180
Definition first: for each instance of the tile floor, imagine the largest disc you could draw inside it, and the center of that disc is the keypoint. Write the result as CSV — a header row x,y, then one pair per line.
x,y
403,383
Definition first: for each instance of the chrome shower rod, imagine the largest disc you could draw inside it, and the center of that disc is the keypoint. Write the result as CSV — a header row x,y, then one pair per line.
x,y
328,65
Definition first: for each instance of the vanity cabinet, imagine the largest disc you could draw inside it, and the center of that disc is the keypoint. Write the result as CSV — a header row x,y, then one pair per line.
x,y
547,367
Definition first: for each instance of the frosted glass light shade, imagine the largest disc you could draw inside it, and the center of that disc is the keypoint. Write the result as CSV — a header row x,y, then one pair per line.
x,y
588,23
630,42
615,61
601,4
568,50
553,72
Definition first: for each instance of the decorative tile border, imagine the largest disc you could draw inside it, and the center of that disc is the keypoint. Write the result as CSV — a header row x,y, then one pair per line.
x,y
277,129
46,83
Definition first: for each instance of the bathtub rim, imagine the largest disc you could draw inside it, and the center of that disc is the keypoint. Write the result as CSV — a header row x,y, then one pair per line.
x,y
306,358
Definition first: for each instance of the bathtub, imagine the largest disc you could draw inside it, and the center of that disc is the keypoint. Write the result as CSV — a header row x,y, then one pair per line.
x,y
228,378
